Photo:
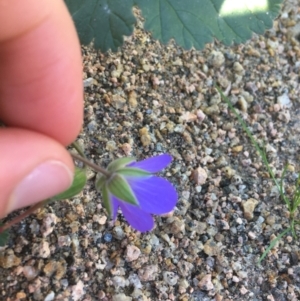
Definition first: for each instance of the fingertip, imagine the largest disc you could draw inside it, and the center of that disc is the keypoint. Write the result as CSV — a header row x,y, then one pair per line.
x,y
33,167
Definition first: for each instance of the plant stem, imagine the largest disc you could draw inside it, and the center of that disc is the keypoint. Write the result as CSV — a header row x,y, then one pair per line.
x,y
23,215
78,149
94,166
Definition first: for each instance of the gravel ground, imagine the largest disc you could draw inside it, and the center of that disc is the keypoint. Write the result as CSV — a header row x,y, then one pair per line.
x,y
150,99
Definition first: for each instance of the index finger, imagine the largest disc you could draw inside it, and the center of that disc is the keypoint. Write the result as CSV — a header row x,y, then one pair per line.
x,y
40,69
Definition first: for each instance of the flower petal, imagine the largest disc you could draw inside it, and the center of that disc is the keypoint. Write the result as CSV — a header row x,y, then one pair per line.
x,y
115,207
136,217
155,195
154,164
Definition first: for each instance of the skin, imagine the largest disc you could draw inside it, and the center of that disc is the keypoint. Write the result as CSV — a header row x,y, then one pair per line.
x,y
41,93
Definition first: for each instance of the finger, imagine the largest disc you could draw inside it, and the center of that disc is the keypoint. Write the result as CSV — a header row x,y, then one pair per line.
x,y
34,167
40,69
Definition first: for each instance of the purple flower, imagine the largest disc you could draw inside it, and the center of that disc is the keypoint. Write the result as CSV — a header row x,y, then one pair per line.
x,y
133,188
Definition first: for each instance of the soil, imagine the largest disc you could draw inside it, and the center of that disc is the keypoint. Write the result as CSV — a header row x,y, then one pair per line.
x,y
148,99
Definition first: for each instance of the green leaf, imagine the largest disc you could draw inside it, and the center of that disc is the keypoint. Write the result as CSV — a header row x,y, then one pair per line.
x,y
4,237
104,21
100,182
106,200
194,23
118,186
119,163
77,185
133,172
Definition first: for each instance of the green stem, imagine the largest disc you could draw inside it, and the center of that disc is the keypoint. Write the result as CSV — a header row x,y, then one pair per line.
x,y
23,215
92,165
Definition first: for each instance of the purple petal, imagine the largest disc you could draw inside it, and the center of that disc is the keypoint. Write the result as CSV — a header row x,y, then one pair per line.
x,y
115,206
155,195
154,164
136,217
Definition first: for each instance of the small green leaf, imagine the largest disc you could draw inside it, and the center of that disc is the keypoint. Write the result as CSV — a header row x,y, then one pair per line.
x,y
4,237
106,200
77,185
119,163
100,182
118,186
133,172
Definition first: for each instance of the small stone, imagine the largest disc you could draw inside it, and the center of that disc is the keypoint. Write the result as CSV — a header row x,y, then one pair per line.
x,y
77,291
216,59
127,149
21,295
187,117
148,273
118,101
238,68
249,207
87,82
237,149
210,248
29,272
284,100
205,283
199,176
132,253
118,233
111,145
212,110
271,219
49,222
284,116
9,259
107,237
200,115
132,100
242,104
119,281
145,136
42,250
121,297
170,278
50,296
137,294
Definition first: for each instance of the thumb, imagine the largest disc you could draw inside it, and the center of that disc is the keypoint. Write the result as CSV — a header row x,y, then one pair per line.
x,y
34,167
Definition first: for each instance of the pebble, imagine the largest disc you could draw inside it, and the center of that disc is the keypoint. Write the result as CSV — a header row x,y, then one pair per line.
x,y
205,283
132,253
170,278
199,176
210,248
284,100
118,102
121,297
107,237
50,296
145,136
8,259
249,207
29,272
216,59
148,272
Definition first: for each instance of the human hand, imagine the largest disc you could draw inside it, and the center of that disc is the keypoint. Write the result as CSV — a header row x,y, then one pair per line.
x,y
41,100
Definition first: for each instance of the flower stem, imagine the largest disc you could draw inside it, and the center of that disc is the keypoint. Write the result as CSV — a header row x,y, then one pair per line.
x,y
92,165
23,215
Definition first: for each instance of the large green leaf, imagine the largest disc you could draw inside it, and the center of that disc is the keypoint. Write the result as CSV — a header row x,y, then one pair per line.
x,y
193,23
104,21
76,187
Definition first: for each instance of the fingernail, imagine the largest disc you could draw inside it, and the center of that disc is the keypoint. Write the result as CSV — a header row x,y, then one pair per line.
x,y
45,181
